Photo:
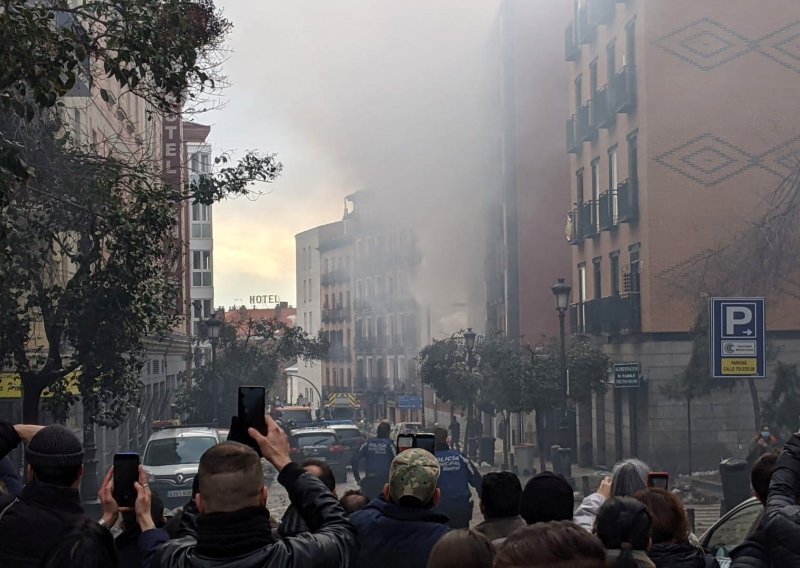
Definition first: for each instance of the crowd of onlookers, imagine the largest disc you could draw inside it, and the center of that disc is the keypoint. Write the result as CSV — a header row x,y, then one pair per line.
x,y
624,524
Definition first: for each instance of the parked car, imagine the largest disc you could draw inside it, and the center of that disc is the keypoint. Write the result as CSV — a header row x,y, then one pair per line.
x,y
731,530
350,436
171,458
321,444
406,428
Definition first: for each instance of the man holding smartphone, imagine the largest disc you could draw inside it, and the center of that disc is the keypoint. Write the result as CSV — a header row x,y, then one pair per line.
x,y
232,526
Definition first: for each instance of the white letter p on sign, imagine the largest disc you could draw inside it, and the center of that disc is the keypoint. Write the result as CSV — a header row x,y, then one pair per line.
x,y
736,315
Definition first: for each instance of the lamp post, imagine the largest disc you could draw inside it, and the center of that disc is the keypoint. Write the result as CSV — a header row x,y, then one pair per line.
x,y
561,291
469,345
212,330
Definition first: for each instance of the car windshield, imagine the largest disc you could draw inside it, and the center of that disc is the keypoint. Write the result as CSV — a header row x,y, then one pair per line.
x,y
296,415
306,440
348,433
733,531
175,451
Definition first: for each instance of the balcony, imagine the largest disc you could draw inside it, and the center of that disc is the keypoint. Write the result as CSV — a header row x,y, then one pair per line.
x,y
573,145
572,50
360,384
335,315
628,200
362,306
366,344
608,210
612,315
587,33
587,131
339,353
334,277
587,220
601,12
625,89
604,115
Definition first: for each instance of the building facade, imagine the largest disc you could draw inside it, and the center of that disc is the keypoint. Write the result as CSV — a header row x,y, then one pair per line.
x,y
680,126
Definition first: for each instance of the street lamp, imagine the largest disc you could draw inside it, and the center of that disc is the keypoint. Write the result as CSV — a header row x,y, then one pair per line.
x,y
469,343
561,291
212,332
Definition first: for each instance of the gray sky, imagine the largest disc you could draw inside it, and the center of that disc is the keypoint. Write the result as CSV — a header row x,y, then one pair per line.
x,y
388,95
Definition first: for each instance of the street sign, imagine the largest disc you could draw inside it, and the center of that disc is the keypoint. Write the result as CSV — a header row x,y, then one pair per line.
x,y
626,375
738,336
409,401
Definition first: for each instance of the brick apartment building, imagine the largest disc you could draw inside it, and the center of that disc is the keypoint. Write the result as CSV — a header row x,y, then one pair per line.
x,y
682,120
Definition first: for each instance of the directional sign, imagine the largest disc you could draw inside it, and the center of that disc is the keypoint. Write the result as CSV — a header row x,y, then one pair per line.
x,y
409,401
738,337
626,375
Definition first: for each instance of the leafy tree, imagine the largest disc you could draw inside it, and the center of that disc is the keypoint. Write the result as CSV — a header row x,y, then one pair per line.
x,y
588,368
782,407
250,352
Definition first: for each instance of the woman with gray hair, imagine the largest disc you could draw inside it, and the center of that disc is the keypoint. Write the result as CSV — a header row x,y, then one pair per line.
x,y
627,477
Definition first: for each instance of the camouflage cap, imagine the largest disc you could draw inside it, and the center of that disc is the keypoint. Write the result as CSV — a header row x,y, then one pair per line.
x,y
414,473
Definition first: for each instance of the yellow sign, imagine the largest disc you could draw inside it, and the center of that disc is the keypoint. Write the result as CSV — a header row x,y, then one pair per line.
x,y
739,366
11,385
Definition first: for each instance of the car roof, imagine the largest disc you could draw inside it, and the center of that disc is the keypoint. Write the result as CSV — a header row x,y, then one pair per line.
x,y
313,431
343,427
293,408
194,432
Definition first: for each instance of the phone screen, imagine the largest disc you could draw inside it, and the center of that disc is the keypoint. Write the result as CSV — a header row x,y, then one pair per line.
x,y
404,442
426,442
658,480
126,472
252,407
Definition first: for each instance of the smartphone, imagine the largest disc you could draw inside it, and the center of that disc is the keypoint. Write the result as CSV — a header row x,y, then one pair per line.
x,y
658,479
404,442
252,406
126,472
426,442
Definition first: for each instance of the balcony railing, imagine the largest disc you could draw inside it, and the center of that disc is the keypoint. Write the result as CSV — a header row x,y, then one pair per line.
x,y
628,200
604,115
587,131
612,315
573,145
601,12
571,48
587,219
608,210
335,314
625,89
363,344
586,31
333,277
339,353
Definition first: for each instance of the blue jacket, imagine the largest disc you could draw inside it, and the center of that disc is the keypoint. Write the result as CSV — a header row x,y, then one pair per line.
x,y
457,474
392,536
378,453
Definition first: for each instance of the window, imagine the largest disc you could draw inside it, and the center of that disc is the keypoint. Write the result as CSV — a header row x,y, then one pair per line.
x,y
327,376
156,369
201,268
630,43
615,280
578,92
596,193
634,283
201,309
633,156
613,181
401,367
598,278
581,296
611,60
593,79
579,180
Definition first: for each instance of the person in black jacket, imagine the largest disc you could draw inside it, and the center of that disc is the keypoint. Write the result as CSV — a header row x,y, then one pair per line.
x,y
671,547
292,523
776,541
232,527
49,503
400,528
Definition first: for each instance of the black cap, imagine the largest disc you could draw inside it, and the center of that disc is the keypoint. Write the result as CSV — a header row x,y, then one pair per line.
x,y
547,497
54,446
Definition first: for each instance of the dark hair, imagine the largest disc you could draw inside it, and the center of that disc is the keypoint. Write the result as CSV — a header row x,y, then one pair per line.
x,y
547,497
353,500
462,549
230,477
326,476
761,474
440,439
500,494
670,523
383,430
557,544
64,475
87,545
624,523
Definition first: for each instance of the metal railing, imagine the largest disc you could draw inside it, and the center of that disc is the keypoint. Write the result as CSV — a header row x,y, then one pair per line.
x,y
604,115
625,89
628,200
613,315
573,144
587,131
572,50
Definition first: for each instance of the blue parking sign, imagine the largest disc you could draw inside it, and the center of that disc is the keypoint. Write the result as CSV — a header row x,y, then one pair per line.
x,y
738,338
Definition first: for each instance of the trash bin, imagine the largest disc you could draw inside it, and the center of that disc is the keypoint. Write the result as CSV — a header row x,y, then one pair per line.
x,y
472,448
487,449
523,456
735,476
562,462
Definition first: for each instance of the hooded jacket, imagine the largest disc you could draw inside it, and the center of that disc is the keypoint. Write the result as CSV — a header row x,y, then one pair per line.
x,y
684,555
243,539
392,536
34,522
